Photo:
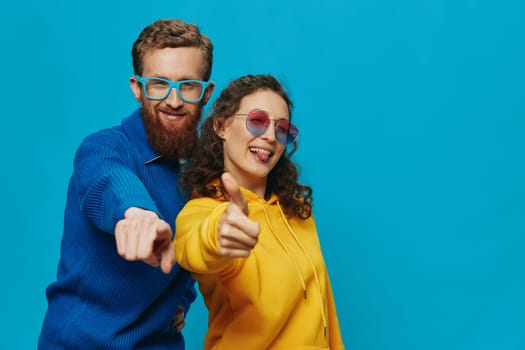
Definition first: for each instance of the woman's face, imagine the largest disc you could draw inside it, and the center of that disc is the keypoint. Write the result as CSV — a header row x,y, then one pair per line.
x,y
247,157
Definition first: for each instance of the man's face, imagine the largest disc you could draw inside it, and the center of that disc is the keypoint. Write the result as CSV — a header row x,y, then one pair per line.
x,y
171,124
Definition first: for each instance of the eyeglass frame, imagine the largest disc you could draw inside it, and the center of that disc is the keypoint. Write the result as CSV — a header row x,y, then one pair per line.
x,y
289,137
171,84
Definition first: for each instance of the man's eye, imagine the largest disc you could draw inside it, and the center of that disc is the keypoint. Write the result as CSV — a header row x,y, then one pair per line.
x,y
157,83
188,85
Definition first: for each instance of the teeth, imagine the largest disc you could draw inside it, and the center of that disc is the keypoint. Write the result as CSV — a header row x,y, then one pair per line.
x,y
259,150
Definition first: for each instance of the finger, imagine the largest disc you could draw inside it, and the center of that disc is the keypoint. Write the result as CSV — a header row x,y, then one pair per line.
x,y
168,259
180,325
235,219
120,237
152,260
146,249
232,237
163,247
231,186
152,236
166,253
131,241
178,318
146,241
235,253
229,244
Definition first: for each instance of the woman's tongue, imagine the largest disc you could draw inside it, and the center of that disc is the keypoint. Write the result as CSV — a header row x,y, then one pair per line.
x,y
261,155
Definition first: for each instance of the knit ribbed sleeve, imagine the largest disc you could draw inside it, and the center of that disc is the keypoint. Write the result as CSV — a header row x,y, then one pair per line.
x,y
106,182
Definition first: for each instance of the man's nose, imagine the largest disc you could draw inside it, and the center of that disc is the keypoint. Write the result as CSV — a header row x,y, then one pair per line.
x,y
173,99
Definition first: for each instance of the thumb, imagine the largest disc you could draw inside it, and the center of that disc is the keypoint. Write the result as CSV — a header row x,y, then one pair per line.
x,y
233,191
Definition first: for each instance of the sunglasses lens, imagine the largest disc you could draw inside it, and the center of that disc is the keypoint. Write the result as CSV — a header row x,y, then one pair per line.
x,y
293,132
257,122
282,128
285,132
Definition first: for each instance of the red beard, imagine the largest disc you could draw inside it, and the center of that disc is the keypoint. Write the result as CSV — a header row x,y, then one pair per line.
x,y
171,142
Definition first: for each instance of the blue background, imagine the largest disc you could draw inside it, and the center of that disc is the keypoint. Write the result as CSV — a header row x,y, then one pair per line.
x,y
413,136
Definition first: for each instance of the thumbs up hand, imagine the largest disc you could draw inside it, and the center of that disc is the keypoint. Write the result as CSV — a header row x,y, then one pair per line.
x,y
237,234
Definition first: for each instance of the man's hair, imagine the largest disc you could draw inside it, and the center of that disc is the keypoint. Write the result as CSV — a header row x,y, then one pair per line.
x,y
171,33
207,163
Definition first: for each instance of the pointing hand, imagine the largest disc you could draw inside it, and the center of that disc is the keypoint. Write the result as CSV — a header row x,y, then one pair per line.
x,y
142,235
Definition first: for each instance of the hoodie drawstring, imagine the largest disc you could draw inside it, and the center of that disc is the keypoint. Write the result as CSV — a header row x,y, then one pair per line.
x,y
316,277
285,248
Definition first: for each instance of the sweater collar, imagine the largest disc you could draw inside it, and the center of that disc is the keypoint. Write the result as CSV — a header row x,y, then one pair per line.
x,y
134,127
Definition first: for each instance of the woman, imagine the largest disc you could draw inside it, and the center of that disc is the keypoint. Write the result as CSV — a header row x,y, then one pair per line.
x,y
248,235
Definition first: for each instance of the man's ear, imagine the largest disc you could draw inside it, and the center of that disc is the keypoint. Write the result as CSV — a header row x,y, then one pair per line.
x,y
136,88
208,92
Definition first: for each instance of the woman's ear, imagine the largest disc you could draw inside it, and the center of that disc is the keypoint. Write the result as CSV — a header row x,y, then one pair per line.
x,y
218,127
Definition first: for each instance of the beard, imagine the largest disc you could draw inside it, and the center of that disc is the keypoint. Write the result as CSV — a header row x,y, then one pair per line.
x,y
171,141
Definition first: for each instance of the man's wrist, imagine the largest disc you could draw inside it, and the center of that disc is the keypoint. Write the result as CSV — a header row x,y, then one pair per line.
x,y
136,211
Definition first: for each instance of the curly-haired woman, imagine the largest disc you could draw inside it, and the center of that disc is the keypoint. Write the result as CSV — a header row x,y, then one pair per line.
x,y
248,235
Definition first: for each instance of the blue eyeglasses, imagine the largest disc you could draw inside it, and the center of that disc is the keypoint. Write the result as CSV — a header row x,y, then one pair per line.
x,y
158,88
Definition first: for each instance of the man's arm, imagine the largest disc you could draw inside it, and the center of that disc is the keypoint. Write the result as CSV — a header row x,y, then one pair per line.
x,y
116,200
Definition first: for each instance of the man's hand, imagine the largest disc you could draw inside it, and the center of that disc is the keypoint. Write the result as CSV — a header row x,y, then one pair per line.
x,y
237,234
178,320
142,235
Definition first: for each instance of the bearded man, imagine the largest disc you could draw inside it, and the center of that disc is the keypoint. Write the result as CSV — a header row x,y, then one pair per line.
x,y
122,201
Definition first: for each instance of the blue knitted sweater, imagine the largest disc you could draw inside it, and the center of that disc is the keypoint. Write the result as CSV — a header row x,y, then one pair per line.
x,y
100,300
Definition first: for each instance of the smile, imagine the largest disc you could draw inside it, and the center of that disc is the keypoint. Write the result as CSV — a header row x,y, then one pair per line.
x,y
172,115
261,153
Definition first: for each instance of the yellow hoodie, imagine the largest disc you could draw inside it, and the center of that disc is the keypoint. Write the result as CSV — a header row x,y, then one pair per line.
x,y
277,298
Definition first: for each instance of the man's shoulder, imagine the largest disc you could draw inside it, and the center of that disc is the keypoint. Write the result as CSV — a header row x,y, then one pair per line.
x,y
115,134
109,132
110,138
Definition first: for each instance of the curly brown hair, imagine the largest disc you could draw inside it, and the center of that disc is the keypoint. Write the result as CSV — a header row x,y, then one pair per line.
x,y
207,162
171,33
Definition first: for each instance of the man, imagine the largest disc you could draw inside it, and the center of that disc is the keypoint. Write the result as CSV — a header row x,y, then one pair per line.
x,y
123,198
